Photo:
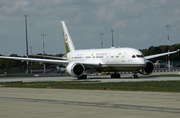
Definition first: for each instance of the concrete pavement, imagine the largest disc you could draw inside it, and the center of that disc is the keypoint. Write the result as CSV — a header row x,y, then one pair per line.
x,y
45,103
102,78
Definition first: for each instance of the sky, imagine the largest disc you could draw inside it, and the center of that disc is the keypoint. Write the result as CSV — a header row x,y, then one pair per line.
x,y
136,23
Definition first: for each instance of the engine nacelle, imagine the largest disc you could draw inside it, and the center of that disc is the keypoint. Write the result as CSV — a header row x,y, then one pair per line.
x,y
148,69
75,69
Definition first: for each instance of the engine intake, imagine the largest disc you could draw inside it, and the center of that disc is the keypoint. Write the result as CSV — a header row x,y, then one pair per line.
x,y
75,69
148,69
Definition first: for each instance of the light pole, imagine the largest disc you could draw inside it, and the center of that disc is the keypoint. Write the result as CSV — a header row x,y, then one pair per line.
x,y
101,39
27,71
44,52
112,38
31,62
43,35
168,46
31,50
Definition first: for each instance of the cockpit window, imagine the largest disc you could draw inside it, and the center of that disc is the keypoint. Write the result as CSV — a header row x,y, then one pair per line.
x,y
138,56
134,56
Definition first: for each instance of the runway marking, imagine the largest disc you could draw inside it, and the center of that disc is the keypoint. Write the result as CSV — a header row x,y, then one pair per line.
x,y
87,104
105,105
128,107
150,108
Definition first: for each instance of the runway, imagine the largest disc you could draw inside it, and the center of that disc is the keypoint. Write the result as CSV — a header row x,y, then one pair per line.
x,y
101,78
52,103
45,103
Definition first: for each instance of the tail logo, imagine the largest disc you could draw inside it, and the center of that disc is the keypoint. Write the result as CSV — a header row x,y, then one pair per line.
x,y
66,38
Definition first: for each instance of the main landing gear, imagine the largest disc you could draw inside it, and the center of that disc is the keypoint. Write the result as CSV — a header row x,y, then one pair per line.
x,y
116,75
82,77
135,75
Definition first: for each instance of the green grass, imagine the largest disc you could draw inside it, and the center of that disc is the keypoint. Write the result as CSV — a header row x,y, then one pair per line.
x,y
169,75
158,86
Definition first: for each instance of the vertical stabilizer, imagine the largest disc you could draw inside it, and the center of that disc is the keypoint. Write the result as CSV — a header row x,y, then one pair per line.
x,y
67,39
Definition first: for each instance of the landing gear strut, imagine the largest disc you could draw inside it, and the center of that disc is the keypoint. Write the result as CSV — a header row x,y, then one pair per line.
x,y
116,75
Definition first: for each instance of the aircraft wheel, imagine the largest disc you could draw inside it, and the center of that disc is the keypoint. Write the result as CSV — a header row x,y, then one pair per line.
x,y
135,76
115,76
82,77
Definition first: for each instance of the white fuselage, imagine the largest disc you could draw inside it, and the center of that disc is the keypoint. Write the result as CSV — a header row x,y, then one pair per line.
x,y
111,59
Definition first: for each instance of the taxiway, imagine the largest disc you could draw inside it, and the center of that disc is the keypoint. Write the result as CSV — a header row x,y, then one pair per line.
x,y
45,103
52,103
102,78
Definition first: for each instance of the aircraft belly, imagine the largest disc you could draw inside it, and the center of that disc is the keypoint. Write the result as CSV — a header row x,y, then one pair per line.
x,y
122,67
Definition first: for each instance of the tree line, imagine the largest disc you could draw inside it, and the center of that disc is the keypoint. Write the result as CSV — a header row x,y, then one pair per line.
x,y
163,49
16,64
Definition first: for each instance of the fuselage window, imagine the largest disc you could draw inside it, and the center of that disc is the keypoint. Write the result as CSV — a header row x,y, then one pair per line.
x,y
117,56
77,57
99,56
112,56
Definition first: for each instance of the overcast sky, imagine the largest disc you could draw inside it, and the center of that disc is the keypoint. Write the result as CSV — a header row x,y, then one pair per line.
x,y
136,23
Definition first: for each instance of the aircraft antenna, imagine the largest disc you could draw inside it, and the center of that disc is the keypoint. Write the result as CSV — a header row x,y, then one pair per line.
x,y
168,45
101,39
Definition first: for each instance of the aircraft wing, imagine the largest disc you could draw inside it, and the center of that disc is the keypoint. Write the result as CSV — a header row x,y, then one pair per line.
x,y
159,55
54,57
63,62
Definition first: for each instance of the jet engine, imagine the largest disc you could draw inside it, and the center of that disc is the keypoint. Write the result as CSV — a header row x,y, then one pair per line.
x,y
148,69
75,69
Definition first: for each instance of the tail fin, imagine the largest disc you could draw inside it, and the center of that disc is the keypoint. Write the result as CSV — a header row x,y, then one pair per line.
x,y
67,39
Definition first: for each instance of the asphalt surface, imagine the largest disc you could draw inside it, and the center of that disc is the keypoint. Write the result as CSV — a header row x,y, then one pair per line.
x,y
53,103
57,103
102,78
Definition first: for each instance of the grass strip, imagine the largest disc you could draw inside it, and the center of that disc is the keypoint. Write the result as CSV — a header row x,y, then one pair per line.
x,y
168,75
157,86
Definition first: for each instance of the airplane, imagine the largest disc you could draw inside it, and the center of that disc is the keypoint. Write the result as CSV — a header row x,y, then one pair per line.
x,y
157,64
57,69
112,59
